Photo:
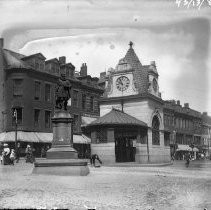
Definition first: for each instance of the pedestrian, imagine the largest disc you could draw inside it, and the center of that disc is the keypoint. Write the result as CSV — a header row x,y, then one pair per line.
x,y
29,154
173,157
6,155
188,158
12,156
18,151
43,152
1,157
93,158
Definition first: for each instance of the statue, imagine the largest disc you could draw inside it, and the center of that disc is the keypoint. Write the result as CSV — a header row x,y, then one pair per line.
x,y
62,92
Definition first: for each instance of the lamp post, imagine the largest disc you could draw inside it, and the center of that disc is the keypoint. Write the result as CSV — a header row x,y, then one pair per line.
x,y
174,141
16,127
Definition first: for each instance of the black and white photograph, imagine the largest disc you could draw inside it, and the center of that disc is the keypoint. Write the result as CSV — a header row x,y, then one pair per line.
x,y
105,105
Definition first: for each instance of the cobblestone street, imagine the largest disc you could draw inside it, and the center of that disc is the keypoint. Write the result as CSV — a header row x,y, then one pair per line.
x,y
169,187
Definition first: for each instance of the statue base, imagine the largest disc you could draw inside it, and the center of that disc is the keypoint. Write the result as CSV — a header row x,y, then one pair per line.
x,y
62,152
61,159
62,167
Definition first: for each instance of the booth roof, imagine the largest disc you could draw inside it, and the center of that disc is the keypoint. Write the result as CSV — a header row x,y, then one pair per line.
x,y
117,117
38,137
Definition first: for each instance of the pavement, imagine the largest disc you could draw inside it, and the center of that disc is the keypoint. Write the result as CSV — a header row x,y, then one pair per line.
x,y
169,187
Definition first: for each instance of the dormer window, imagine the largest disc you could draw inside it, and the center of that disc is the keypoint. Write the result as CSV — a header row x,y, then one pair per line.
x,y
155,85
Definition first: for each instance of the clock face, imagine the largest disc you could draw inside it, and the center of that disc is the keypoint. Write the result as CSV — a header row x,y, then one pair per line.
x,y
122,83
155,85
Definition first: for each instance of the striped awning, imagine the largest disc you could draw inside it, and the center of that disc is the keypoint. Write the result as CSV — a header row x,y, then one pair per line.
x,y
38,137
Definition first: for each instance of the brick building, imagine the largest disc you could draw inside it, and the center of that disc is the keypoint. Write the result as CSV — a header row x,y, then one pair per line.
x,y
28,86
185,129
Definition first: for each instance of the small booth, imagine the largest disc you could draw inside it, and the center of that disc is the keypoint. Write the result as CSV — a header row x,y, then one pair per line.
x,y
114,136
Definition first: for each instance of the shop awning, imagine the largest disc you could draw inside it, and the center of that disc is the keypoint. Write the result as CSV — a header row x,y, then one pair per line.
x,y
38,137
182,147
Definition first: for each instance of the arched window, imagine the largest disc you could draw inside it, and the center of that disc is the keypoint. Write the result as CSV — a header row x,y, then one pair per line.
x,y
155,131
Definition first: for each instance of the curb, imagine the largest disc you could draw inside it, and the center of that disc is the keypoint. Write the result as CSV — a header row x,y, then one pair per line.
x,y
138,165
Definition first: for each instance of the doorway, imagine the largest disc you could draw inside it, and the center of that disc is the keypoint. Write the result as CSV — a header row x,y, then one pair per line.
x,y
124,150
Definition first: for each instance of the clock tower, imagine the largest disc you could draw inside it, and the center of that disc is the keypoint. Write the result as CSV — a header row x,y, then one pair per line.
x,y
131,93
121,79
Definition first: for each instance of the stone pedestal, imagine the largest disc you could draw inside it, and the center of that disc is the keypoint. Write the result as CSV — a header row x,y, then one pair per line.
x,y
62,158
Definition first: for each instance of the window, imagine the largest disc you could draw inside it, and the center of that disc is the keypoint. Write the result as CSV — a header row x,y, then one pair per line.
x,y
101,136
179,138
37,87
57,71
47,119
75,98
155,131
18,87
53,69
47,92
91,103
37,65
83,101
75,123
42,66
97,106
36,117
17,113
166,139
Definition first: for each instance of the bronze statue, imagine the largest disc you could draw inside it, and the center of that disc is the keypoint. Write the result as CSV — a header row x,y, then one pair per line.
x,y
62,92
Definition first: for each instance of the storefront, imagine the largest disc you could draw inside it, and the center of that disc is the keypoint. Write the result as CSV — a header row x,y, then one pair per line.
x,y
39,140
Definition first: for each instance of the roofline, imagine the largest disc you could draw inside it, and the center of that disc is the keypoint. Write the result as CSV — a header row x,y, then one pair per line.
x,y
116,124
30,70
53,60
33,55
141,95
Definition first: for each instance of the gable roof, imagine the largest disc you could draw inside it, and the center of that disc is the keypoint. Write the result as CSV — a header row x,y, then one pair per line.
x,y
117,117
38,55
53,60
13,60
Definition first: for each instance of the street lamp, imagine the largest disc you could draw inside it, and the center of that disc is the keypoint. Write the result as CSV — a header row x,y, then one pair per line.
x,y
15,115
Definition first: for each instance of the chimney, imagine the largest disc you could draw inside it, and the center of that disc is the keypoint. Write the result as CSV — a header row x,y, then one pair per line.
x,y
152,63
186,105
178,102
62,60
83,71
1,42
102,75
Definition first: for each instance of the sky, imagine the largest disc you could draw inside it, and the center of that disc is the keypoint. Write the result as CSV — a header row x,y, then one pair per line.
x,y
97,32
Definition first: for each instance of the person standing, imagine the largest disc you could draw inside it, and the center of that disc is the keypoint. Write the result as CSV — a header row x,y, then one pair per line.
x,y
43,152
29,154
18,151
12,156
6,155
188,158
